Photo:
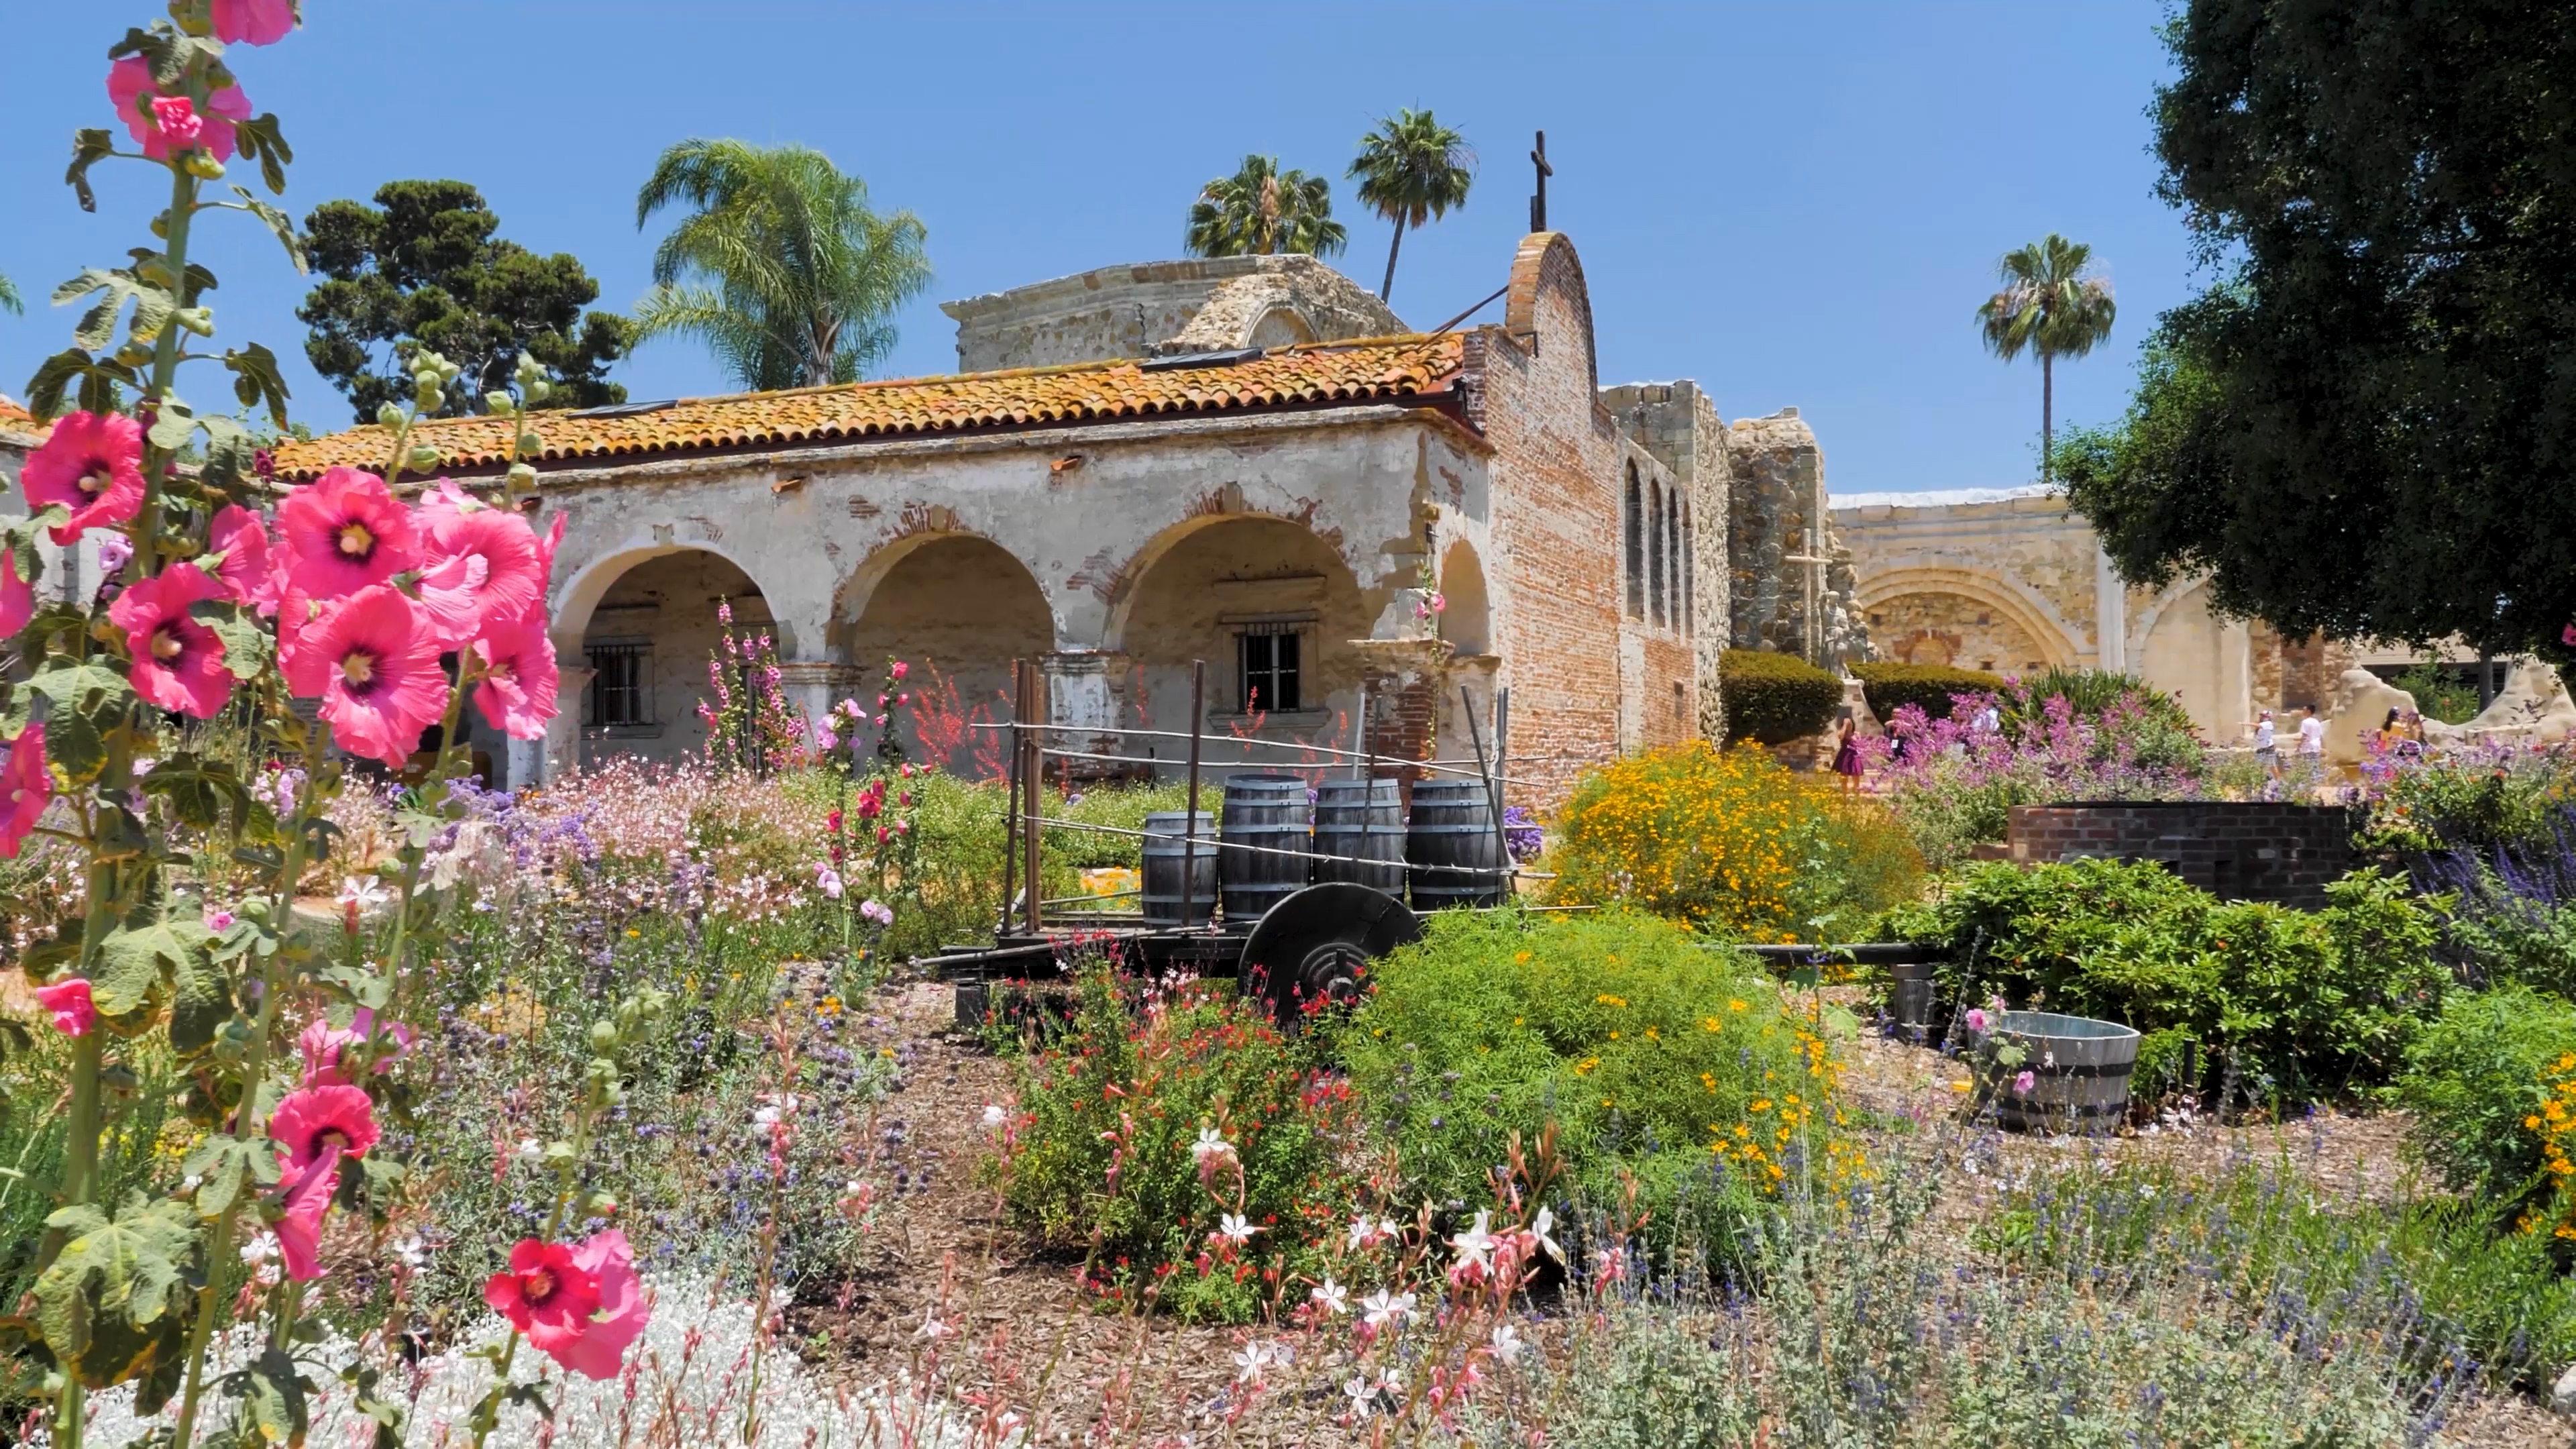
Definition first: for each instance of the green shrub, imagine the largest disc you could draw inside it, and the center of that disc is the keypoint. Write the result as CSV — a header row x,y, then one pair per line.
x,y
2298,1005
1775,698
1928,687
2525,940
2151,724
2474,1077
2473,800
1734,843
1100,1155
1649,1052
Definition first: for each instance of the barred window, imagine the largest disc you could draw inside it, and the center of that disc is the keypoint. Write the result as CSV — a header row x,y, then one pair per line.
x,y
621,683
1267,658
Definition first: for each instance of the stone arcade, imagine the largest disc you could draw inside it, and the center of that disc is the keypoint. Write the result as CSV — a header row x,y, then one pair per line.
x,y
1245,461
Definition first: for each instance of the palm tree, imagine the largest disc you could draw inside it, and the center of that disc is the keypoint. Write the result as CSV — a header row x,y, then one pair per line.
x,y
1261,210
2053,305
1411,169
781,268
9,297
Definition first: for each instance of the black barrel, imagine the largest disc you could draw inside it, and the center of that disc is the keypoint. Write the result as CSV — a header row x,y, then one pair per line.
x,y
1272,812
1162,884
1362,819
1453,832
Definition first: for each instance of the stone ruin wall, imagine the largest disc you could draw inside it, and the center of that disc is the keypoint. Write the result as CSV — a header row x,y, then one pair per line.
x,y
1778,512
1208,304
1678,425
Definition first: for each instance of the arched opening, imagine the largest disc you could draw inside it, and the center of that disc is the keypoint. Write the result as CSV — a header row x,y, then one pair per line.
x,y
648,626
957,609
1655,554
1631,521
2181,656
1690,573
1955,630
1269,606
1467,623
1280,327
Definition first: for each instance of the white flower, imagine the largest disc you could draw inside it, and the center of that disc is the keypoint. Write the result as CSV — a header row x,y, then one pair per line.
x,y
413,1250
362,892
1234,1228
1366,1234
261,1249
1476,1245
932,1329
1211,1143
530,1149
994,1117
1538,1229
1506,1342
1383,1309
1332,1297
1256,1356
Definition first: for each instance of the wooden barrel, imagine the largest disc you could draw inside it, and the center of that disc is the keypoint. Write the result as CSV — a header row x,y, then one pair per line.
x,y
1364,820
1271,812
1453,835
2078,1072
1162,884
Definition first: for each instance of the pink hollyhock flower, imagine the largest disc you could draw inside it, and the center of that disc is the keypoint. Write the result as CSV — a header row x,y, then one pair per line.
x,y
2567,635
323,1045
246,571
17,595
343,532
26,787
129,89
178,662
2023,1083
518,690
69,1001
308,1198
482,565
546,1294
1976,1019
622,1311
313,1120
547,543
92,464
900,669
372,661
176,123
253,22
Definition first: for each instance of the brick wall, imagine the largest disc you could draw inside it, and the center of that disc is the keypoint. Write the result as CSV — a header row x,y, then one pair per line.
x,y
2237,850
1556,545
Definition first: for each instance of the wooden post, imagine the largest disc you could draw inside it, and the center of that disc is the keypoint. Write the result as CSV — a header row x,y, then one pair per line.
x,y
1359,737
1034,772
1190,810
1011,813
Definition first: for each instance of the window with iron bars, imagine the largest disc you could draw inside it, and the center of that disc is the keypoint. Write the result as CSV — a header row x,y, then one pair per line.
x,y
621,683
1267,660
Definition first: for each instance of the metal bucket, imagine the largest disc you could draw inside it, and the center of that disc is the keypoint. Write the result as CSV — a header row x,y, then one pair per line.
x,y
2079,1071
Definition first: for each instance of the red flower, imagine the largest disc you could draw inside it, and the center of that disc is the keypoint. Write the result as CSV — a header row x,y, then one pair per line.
x,y
372,661
546,1295
178,662
622,1309
26,786
129,89
92,464
311,1121
343,532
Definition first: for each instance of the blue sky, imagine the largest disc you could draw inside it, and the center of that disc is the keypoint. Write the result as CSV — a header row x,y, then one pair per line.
x,y
1794,204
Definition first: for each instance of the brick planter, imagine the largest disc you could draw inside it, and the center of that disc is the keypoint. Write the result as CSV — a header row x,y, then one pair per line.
x,y
2236,850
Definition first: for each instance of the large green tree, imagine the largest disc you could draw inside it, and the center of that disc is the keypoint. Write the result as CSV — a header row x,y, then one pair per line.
x,y
780,267
2052,305
1411,170
422,267
1261,210
2368,427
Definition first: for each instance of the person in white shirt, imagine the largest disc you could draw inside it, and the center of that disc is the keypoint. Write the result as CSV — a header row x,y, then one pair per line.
x,y
2312,732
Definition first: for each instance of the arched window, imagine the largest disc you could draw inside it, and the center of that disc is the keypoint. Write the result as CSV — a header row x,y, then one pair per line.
x,y
1675,566
1632,520
1659,556
1690,573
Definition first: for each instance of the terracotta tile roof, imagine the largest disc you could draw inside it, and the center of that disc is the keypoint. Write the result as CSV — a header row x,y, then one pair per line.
x,y
1374,370
16,419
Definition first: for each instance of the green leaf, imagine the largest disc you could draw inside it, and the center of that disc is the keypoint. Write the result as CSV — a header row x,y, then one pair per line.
x,y
256,380
98,379
279,224
150,946
112,1282
223,1165
90,145
262,138
272,1394
172,426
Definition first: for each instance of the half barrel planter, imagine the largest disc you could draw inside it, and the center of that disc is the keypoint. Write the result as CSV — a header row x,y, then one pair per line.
x,y
2080,1070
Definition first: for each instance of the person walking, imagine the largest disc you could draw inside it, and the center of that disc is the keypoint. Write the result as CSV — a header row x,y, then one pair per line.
x,y
2312,734
1847,761
2267,745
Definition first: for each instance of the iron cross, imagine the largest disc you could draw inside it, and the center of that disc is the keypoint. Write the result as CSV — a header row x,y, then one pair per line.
x,y
1538,203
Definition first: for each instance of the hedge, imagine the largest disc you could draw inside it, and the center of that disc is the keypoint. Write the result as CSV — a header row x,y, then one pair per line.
x,y
1775,698
1928,687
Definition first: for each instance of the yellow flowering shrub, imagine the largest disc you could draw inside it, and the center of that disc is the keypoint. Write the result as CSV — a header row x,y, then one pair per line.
x,y
2555,1125
1732,842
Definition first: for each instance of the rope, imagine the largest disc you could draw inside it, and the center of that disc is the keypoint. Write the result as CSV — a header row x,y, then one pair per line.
x,y
1222,845
1255,764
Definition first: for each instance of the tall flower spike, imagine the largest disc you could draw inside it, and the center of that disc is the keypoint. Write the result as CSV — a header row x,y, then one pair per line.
x,y
130,90
375,667
178,662
26,787
343,532
92,464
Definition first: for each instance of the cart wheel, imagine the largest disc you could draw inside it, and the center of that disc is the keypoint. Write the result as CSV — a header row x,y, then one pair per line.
x,y
1316,944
